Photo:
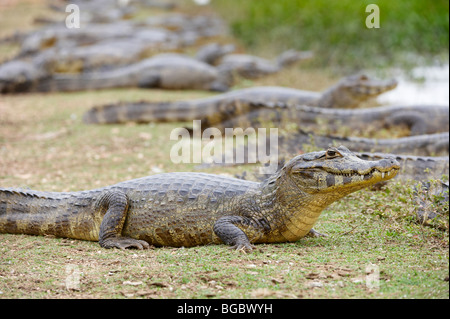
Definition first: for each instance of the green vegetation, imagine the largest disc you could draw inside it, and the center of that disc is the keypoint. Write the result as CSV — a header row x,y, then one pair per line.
x,y
336,30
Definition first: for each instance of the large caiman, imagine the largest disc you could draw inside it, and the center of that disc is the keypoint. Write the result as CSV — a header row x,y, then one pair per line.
x,y
189,209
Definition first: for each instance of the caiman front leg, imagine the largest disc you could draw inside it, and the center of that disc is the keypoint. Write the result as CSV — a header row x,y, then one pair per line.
x,y
116,203
315,233
226,228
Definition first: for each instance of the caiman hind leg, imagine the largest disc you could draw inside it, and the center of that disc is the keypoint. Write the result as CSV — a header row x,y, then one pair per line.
x,y
228,230
116,203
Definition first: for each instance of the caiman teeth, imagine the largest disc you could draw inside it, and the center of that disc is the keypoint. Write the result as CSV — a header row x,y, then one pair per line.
x,y
367,174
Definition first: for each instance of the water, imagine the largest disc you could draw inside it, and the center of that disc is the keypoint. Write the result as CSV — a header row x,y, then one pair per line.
x,y
431,87
202,2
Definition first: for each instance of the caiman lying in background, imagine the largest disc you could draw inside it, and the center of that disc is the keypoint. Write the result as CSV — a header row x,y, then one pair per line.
x,y
295,142
347,93
22,75
411,152
59,36
189,209
252,67
166,71
214,110
242,108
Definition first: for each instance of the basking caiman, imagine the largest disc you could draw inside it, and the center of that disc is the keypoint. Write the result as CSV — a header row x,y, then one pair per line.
x,y
212,52
252,67
108,52
22,75
423,145
222,113
217,109
189,209
295,142
165,71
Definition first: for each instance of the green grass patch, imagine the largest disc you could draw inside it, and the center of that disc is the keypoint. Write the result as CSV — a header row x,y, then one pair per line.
x,y
336,30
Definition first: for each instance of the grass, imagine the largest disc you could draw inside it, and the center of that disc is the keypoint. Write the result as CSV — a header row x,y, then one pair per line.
x,y
336,30
44,145
368,227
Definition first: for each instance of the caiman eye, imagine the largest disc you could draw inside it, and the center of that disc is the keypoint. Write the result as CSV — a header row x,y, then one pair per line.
x,y
332,153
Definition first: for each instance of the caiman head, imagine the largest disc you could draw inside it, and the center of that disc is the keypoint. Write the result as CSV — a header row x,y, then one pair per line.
x,y
337,172
291,57
17,76
354,89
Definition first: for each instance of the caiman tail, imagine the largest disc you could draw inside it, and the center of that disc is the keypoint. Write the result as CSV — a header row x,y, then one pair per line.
x,y
83,82
211,111
140,112
47,213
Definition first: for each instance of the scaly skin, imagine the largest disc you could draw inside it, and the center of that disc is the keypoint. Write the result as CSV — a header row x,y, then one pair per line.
x,y
246,108
418,145
294,143
69,68
416,168
217,110
250,66
165,71
189,209
419,119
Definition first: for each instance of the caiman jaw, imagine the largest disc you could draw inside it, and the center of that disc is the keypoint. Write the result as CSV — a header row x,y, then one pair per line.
x,y
339,170
359,178
365,86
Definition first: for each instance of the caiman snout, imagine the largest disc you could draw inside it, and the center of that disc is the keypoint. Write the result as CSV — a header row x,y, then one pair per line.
x,y
390,162
385,168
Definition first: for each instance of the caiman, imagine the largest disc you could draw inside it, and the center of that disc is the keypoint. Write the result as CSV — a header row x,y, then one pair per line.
x,y
431,198
189,209
108,52
294,142
22,75
420,145
413,152
165,71
417,168
252,67
349,92
224,113
210,53
93,12
60,36
111,53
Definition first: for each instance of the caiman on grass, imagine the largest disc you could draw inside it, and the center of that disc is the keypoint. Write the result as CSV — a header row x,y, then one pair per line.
x,y
189,209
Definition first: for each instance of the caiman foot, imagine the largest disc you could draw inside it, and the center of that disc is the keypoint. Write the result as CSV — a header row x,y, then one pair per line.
x,y
227,230
243,247
116,205
315,234
124,243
